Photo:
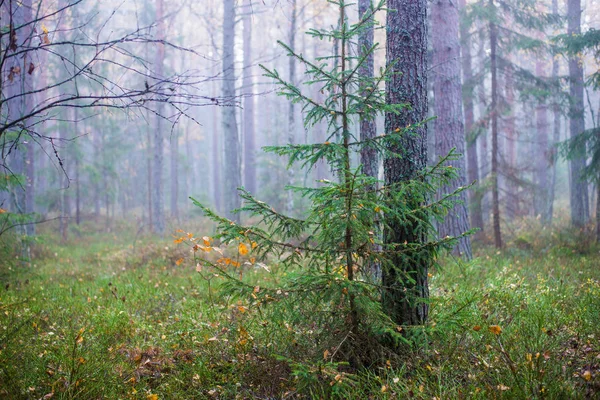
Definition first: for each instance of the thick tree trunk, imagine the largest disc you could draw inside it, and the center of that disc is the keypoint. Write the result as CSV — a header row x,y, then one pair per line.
x,y
494,111
449,127
405,284
368,156
248,85
157,184
475,210
579,189
231,161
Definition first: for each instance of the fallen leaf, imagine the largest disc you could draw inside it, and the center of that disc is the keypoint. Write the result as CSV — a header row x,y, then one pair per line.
x,y
495,329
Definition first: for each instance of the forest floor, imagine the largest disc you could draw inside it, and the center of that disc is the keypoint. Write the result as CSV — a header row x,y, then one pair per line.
x,y
115,316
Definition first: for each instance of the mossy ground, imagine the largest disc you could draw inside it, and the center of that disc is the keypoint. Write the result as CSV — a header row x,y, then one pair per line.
x,y
118,316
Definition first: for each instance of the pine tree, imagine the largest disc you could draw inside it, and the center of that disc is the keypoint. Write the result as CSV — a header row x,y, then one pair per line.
x,y
329,250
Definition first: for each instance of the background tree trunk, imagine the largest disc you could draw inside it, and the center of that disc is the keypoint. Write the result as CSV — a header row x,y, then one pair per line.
x,y
449,127
579,189
157,185
368,156
231,160
494,111
475,210
555,127
248,85
542,154
406,283
292,109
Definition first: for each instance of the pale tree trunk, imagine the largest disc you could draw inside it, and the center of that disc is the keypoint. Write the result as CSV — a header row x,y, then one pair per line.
x,y
292,109
542,164
494,111
472,161
248,85
449,126
579,189
158,190
512,207
77,165
555,128
321,170
174,175
19,14
405,284
150,193
484,154
231,161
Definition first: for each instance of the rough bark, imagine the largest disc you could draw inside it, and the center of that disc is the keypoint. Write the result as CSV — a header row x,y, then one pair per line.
x,y
449,126
494,116
157,184
368,156
579,189
248,84
406,284
475,210
231,160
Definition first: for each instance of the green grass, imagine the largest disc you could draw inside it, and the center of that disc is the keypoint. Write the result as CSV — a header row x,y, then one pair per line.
x,y
102,318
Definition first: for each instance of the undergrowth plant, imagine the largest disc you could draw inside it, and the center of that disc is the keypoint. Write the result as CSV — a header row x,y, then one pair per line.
x,y
331,290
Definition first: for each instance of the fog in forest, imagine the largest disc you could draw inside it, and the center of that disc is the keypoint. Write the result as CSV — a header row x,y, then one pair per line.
x,y
282,180
181,108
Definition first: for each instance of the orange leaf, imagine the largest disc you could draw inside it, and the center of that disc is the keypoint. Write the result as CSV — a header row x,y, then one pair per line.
x,y
495,329
243,249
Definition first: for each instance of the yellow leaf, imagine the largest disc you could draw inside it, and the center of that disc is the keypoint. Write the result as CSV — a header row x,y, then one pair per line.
x,y
243,249
44,29
152,397
587,375
178,262
495,329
